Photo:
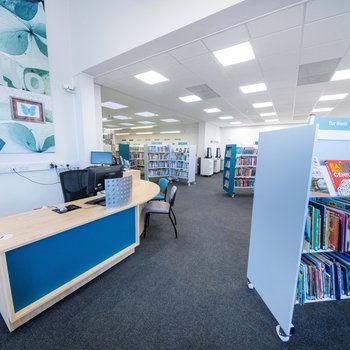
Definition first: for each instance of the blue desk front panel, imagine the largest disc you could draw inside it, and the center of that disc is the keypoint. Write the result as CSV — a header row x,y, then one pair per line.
x,y
39,268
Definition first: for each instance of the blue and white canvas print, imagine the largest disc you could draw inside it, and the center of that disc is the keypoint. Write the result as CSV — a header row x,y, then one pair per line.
x,y
26,120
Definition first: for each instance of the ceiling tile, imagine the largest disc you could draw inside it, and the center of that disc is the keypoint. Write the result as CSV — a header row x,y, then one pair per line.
x,y
319,9
226,38
161,61
276,22
324,52
280,60
188,51
136,68
274,44
327,30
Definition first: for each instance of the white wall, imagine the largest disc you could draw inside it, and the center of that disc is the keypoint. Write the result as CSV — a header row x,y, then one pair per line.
x,y
209,135
189,133
100,29
18,194
246,136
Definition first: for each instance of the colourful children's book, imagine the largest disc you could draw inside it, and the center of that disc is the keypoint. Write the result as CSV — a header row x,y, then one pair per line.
x,y
339,172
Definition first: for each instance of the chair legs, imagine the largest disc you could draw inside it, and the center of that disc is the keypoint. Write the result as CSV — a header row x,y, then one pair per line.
x,y
174,225
174,215
147,219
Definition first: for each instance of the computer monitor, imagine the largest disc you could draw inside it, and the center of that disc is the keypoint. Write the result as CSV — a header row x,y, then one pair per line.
x,y
97,176
101,158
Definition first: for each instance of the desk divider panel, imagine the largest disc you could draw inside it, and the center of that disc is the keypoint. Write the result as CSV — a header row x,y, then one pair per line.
x,y
39,268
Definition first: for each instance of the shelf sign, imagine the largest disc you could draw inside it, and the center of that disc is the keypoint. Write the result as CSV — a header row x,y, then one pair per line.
x,y
331,123
182,143
156,142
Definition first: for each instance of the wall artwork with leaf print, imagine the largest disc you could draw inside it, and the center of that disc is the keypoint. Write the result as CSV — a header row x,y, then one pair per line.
x,y
26,121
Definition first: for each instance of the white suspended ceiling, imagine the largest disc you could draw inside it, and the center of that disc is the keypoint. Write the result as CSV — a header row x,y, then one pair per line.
x,y
303,33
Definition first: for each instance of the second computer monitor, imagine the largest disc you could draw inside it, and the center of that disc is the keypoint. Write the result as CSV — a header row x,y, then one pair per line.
x,y
101,158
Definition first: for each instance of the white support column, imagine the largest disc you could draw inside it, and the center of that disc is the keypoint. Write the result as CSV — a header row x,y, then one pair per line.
x,y
89,123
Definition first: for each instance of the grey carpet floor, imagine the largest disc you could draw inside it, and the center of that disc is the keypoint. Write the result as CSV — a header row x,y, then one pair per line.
x,y
189,293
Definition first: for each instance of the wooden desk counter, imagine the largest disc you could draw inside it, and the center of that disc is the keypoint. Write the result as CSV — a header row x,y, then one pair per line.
x,y
37,224
62,252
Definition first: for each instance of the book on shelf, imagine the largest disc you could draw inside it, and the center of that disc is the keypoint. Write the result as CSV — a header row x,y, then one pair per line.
x,y
319,183
323,276
326,227
339,172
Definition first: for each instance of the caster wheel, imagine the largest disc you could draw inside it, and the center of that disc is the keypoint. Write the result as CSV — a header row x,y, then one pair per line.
x,y
283,336
195,183
250,284
189,184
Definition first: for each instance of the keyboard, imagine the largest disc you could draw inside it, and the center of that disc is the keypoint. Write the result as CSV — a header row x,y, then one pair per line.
x,y
99,201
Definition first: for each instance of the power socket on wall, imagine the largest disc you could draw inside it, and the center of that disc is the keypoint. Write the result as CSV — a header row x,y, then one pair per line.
x,y
8,168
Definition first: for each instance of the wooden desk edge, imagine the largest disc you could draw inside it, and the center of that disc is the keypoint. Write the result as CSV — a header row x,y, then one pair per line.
x,y
8,245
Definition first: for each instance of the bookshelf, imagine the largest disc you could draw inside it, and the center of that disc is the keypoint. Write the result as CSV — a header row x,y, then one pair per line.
x,y
282,193
183,164
239,168
157,158
229,169
245,168
137,160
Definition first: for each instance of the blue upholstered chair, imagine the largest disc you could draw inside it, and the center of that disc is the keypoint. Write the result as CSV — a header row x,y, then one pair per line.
x,y
163,184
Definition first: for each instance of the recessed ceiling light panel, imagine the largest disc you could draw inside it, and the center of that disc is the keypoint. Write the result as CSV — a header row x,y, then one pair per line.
x,y
151,77
212,110
144,133
169,120
121,117
142,127
271,120
171,132
270,114
235,123
190,98
333,97
226,117
326,109
122,133
262,104
146,114
235,54
248,89
341,75
146,122
113,105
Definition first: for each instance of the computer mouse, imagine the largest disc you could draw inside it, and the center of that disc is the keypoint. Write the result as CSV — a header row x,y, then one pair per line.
x,y
63,210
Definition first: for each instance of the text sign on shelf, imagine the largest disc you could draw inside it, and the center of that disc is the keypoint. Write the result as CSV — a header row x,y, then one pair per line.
x,y
156,142
332,123
183,143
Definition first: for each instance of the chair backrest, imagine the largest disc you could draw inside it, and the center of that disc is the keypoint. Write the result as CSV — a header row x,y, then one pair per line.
x,y
74,184
172,196
163,184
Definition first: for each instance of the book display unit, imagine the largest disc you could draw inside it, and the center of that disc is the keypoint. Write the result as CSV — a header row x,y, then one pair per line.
x,y
229,168
239,168
300,239
157,160
183,163
245,167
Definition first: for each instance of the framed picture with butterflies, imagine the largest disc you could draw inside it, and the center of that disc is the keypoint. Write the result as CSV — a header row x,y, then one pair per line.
x,y
27,111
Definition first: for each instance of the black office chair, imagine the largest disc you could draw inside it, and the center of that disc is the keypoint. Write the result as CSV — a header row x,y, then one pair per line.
x,y
74,184
160,207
